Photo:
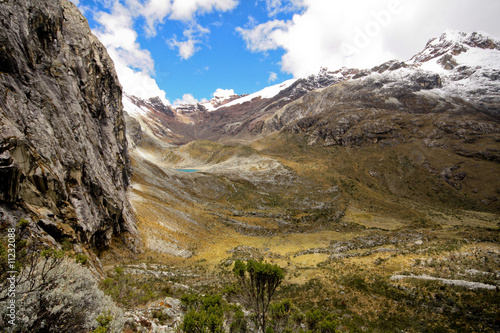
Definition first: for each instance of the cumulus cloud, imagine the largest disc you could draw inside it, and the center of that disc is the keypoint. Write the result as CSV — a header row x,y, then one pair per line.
x,y
272,77
265,36
192,36
190,99
185,9
223,93
274,7
361,33
155,11
134,65
187,99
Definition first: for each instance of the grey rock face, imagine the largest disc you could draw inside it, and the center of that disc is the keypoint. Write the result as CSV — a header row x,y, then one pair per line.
x,y
134,131
62,131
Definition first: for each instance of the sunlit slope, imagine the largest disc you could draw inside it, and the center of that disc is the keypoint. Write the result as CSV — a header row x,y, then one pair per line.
x,y
280,185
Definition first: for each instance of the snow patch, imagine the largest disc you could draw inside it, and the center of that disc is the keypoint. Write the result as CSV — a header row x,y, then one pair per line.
x,y
133,109
480,57
268,92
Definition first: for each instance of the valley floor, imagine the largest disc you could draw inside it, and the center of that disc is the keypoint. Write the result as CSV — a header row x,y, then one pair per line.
x,y
370,251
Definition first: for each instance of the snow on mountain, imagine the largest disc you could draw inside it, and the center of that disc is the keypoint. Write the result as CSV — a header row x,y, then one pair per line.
x,y
149,113
267,92
221,96
132,108
468,66
464,61
455,66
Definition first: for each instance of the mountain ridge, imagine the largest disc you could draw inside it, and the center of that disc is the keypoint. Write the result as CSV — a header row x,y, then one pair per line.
x,y
455,63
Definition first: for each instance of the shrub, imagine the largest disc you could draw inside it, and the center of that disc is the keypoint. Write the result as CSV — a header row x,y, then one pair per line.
x,y
239,324
285,317
317,321
205,314
81,258
55,294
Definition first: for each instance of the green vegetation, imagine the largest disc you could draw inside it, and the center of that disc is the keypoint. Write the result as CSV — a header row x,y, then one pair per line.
x,y
127,290
53,292
204,314
258,282
345,222
104,320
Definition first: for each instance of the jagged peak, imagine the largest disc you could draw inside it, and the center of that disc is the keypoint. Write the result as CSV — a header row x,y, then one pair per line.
x,y
137,105
475,39
454,43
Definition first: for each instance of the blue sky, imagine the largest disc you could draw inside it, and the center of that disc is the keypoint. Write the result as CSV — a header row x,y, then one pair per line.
x,y
187,49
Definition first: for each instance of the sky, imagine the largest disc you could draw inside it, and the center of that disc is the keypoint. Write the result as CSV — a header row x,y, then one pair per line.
x,y
193,50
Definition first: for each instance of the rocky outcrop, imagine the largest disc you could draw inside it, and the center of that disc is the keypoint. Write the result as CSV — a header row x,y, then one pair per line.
x,y
63,151
134,131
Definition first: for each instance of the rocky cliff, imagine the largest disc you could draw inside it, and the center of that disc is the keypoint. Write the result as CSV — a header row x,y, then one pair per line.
x,y
64,163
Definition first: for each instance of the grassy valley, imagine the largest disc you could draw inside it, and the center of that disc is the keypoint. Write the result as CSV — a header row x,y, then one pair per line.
x,y
378,236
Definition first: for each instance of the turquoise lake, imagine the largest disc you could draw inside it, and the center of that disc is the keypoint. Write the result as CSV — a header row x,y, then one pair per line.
x,y
186,170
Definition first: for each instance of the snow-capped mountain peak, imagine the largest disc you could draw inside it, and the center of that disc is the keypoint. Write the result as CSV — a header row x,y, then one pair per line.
x,y
267,92
456,66
448,50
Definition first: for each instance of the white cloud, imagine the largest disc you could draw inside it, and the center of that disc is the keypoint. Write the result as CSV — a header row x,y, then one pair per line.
x,y
265,36
187,99
272,77
362,33
154,12
185,10
134,65
193,35
274,7
186,48
190,99
223,93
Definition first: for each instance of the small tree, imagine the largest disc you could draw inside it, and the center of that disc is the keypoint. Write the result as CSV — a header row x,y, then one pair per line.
x,y
258,282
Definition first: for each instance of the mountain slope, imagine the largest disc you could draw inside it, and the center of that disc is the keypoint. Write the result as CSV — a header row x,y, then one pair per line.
x,y
396,146
234,117
456,70
64,160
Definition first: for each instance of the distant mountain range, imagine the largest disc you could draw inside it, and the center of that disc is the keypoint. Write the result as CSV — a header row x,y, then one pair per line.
x,y
457,70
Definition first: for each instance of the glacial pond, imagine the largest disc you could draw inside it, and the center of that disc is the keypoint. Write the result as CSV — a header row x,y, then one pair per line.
x,y
186,170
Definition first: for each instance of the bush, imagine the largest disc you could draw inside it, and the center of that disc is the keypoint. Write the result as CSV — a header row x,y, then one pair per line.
x,y
285,317
239,324
128,290
205,314
317,321
81,258
55,294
